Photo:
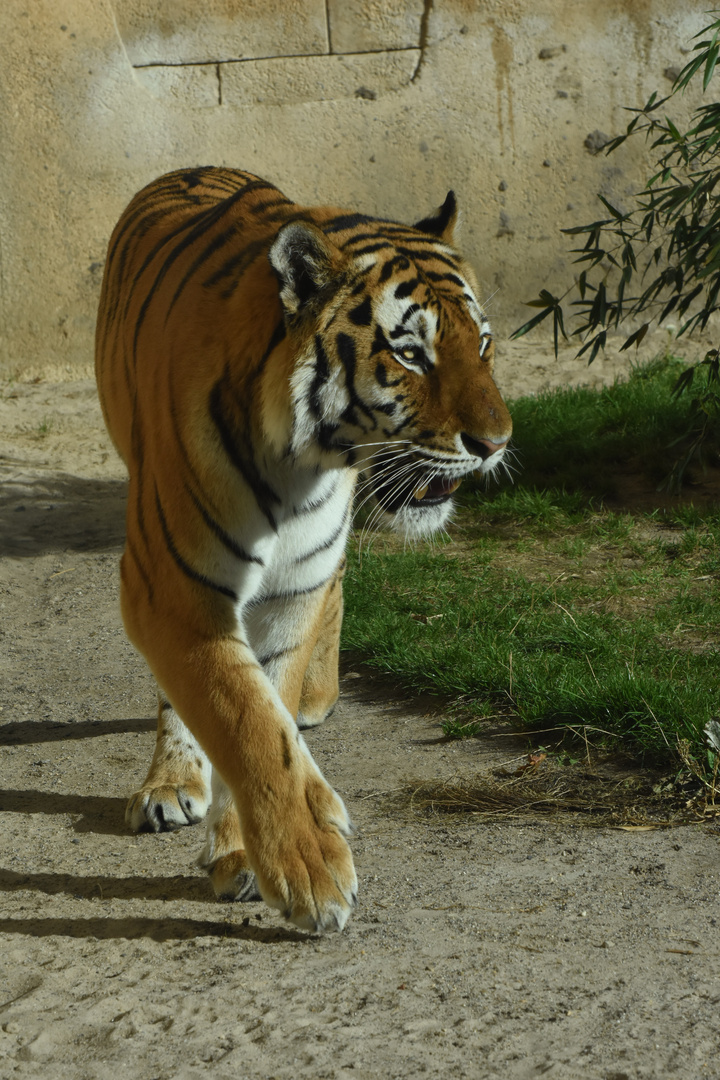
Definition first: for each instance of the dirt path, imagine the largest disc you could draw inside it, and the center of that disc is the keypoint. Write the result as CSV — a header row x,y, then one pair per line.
x,y
478,950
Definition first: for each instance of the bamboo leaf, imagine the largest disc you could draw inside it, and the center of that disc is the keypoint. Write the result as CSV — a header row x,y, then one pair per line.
x,y
535,321
613,210
597,343
710,65
636,337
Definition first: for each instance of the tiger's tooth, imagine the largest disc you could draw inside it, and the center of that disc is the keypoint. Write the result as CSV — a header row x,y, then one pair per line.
x,y
454,485
421,492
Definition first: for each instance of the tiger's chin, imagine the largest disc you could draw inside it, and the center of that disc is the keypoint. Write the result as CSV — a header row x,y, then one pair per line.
x,y
416,520
419,507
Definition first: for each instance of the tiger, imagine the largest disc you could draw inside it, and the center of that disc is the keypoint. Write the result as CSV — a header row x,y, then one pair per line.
x,y
254,357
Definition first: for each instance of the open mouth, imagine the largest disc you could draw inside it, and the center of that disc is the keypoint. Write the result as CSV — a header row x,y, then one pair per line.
x,y
415,491
435,491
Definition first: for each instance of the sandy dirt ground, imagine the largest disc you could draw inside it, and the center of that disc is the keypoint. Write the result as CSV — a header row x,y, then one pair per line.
x,y
504,950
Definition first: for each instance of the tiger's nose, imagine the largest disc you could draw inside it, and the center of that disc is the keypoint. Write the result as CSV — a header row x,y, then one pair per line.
x,y
482,448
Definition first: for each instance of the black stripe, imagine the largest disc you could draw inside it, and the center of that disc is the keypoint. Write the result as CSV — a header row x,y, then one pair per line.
x,y
322,374
132,550
380,342
316,504
410,311
405,288
216,244
391,233
270,204
327,543
381,375
325,438
137,451
362,314
399,261
272,597
269,657
428,256
370,248
346,221
172,408
194,575
361,238
237,265
432,275
224,537
348,357
224,408
287,759
231,437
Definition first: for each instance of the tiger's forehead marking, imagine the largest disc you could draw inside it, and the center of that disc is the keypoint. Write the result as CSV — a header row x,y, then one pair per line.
x,y
408,315
412,311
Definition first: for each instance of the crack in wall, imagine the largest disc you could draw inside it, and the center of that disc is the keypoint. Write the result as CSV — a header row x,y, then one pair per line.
x,y
328,27
267,59
424,34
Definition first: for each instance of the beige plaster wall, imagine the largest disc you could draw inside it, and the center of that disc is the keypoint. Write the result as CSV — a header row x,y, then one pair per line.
x,y
379,105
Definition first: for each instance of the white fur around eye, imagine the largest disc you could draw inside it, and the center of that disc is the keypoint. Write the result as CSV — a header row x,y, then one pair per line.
x,y
410,365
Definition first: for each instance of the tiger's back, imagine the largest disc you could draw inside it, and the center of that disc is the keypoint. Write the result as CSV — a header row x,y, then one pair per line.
x,y
181,247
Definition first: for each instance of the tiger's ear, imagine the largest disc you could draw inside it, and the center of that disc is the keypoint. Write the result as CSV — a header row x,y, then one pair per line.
x,y
442,223
305,262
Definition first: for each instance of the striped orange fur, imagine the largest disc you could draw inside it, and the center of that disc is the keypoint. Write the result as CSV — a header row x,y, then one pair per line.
x,y
254,357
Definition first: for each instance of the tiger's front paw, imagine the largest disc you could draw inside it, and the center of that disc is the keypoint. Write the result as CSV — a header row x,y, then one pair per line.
x,y
167,807
303,864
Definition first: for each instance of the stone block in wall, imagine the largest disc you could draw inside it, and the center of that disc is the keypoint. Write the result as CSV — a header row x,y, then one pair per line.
x,y
198,31
291,80
194,86
369,25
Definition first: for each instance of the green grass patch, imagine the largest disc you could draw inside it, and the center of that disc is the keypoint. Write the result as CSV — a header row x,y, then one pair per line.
x,y
548,608
577,440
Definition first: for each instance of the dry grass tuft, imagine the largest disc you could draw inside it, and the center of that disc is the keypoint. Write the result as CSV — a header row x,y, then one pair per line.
x,y
595,795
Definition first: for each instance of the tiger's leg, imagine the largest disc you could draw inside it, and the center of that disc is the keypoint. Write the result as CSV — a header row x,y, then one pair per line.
x,y
293,823
321,685
176,790
224,856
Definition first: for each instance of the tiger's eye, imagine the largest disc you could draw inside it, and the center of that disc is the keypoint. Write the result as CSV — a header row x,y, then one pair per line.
x,y
408,354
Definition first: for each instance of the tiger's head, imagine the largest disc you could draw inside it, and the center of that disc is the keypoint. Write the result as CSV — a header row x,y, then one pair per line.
x,y
393,358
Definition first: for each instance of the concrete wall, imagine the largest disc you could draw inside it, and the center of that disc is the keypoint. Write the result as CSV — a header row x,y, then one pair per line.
x,y
379,105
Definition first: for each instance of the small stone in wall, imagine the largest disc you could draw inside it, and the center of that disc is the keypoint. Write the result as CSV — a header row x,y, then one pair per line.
x,y
672,73
595,141
552,52
365,92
